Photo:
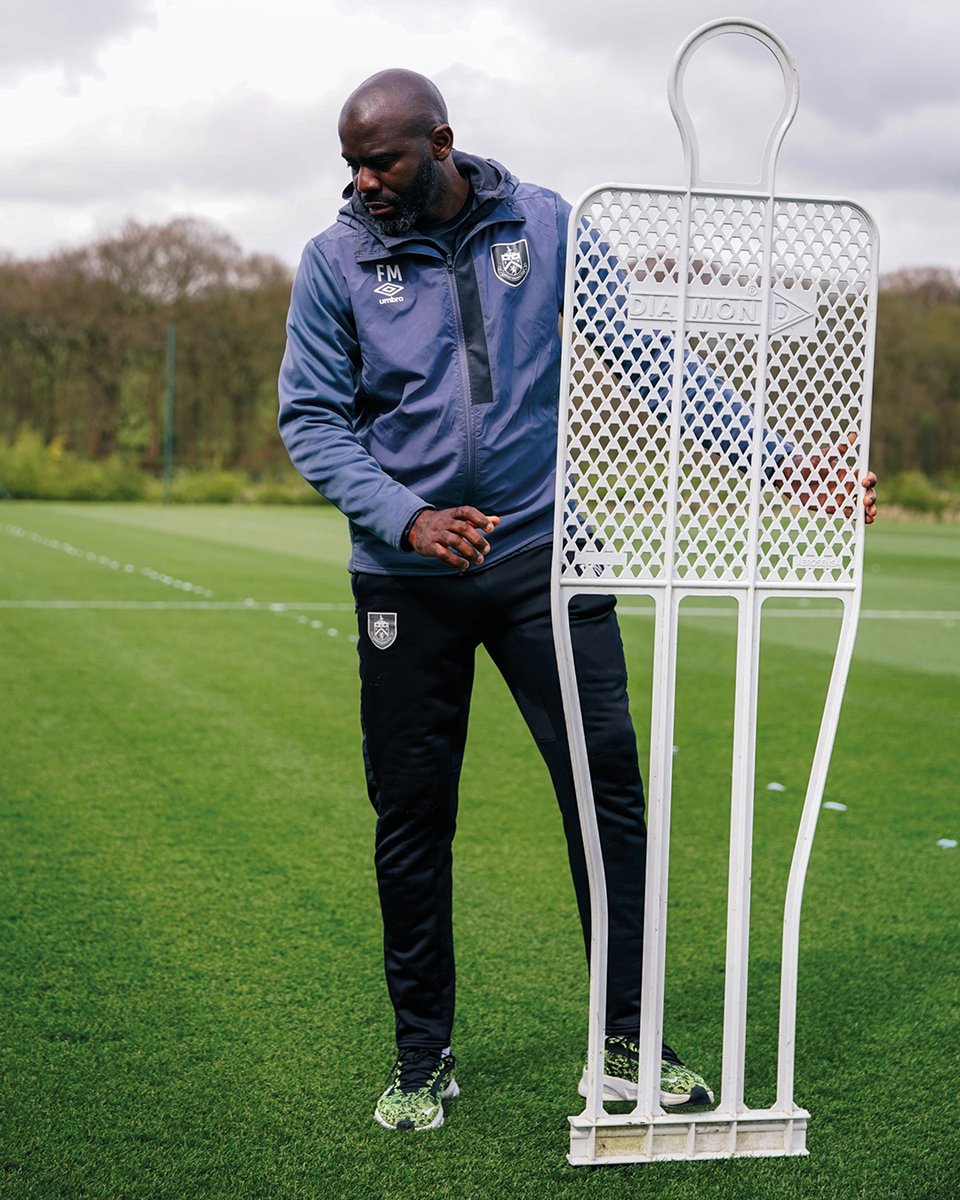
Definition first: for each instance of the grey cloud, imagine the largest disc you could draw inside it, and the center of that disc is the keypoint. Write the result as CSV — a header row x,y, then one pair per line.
x,y
879,91
879,97
859,60
561,136
246,144
912,226
269,172
40,34
590,108
918,151
863,63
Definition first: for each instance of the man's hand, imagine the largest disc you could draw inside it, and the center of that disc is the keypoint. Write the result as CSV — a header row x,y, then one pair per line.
x,y
869,483
822,481
453,535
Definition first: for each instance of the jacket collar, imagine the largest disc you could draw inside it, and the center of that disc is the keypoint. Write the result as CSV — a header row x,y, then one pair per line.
x,y
492,184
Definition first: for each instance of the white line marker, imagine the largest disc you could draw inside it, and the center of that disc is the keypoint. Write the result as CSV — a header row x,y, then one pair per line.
x,y
104,561
320,606
182,606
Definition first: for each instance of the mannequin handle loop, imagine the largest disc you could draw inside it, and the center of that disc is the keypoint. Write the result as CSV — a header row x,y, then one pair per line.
x,y
681,114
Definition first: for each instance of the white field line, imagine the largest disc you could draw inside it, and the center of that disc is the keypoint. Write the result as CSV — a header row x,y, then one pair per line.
x,y
206,603
105,560
183,605
308,606
294,608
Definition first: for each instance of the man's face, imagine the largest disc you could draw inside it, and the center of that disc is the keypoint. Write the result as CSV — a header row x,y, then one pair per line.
x,y
395,175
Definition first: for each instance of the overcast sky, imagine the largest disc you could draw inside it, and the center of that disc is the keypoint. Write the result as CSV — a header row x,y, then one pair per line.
x,y
227,109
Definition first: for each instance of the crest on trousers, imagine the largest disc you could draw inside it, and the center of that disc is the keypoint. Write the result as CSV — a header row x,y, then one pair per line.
x,y
511,261
382,629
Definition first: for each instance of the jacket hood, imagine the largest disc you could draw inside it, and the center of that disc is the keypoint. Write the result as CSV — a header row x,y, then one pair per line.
x,y
490,181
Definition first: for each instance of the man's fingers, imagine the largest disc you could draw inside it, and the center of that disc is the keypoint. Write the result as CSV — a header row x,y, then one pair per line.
x,y
475,517
453,535
869,483
466,540
455,551
470,533
824,482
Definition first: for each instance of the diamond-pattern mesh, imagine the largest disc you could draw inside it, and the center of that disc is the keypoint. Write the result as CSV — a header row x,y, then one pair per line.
x,y
718,389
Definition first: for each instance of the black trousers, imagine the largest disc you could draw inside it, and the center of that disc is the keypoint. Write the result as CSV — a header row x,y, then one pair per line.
x,y
417,655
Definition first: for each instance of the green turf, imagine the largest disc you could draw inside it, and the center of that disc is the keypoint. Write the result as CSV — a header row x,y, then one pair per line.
x,y
191,1001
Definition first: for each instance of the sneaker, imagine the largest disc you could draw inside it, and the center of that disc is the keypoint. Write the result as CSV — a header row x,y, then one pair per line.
x,y
421,1080
621,1067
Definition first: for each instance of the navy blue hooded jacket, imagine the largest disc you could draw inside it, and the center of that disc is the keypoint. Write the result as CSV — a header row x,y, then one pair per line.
x,y
413,379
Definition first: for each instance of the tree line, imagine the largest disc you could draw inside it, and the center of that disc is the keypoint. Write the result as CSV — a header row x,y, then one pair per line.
x,y
83,353
83,338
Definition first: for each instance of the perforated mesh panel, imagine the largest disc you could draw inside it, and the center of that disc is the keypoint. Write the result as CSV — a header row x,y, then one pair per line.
x,y
679,345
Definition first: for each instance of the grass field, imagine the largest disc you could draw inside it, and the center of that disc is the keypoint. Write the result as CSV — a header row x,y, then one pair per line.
x,y
191,1000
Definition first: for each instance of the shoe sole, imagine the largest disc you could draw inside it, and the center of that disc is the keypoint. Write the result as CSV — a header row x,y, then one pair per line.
x,y
449,1092
615,1088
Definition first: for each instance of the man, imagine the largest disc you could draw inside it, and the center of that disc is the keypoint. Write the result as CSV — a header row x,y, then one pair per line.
x,y
418,394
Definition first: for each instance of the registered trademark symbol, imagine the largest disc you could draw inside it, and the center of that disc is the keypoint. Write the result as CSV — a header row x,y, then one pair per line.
x,y
752,289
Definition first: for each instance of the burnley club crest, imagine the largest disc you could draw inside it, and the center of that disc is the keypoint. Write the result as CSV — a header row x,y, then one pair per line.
x,y
511,261
382,629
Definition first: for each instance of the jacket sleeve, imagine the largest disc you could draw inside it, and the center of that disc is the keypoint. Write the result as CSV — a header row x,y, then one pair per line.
x,y
709,409
318,377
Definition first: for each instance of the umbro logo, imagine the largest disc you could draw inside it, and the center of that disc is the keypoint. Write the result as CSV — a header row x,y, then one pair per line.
x,y
389,284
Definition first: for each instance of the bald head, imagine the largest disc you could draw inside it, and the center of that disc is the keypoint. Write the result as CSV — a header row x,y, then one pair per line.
x,y
410,103
396,141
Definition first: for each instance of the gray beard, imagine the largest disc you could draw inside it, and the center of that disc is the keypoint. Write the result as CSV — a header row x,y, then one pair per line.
x,y
396,226
412,204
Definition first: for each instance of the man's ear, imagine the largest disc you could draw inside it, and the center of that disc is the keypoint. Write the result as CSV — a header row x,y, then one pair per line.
x,y
441,141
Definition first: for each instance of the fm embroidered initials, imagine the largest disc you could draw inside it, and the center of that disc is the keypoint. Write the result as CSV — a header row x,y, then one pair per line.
x,y
389,284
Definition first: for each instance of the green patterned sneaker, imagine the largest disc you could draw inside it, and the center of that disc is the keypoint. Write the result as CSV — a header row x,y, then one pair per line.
x,y
421,1080
621,1059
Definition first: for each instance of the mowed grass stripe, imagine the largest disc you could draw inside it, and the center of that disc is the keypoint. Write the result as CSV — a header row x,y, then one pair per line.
x,y
302,547
192,999
160,794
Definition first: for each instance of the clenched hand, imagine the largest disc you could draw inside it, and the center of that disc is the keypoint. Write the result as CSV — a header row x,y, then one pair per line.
x,y
454,535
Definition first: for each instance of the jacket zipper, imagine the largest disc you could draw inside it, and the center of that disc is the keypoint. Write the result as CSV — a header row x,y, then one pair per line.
x,y
468,406
471,466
